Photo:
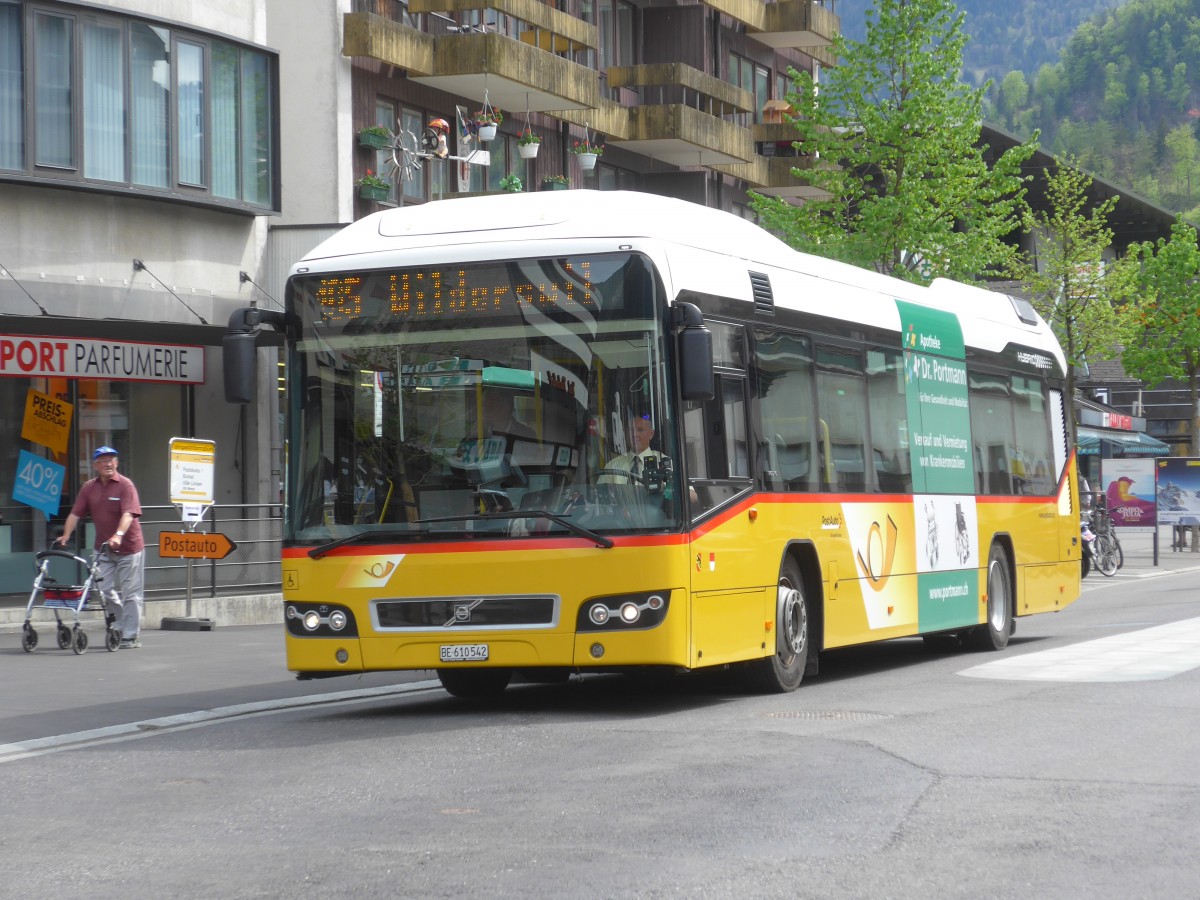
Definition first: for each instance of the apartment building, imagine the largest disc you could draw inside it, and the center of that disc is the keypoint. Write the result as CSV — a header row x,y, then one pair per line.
x,y
685,99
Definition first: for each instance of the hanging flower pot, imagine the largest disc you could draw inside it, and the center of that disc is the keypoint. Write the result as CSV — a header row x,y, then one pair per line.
x,y
528,151
587,153
486,120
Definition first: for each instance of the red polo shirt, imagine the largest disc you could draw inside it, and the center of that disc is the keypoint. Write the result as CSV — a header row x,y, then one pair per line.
x,y
105,504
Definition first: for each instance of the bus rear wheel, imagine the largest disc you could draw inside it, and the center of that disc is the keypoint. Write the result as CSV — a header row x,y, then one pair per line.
x,y
993,634
783,671
474,684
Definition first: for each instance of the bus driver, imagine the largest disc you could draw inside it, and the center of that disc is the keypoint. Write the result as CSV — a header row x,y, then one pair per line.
x,y
640,462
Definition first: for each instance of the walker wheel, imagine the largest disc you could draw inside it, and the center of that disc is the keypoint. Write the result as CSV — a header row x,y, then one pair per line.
x,y
29,639
81,642
64,637
112,639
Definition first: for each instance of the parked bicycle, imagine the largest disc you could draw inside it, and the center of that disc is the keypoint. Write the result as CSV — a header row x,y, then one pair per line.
x,y
1102,522
1101,546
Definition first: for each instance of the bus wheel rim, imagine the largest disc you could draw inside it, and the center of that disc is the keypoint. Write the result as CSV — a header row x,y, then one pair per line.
x,y
792,622
997,597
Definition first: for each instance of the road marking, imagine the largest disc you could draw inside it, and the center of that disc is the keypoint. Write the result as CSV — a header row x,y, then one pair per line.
x,y
1149,655
134,730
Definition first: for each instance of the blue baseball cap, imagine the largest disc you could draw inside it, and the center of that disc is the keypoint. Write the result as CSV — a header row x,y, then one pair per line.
x,y
104,451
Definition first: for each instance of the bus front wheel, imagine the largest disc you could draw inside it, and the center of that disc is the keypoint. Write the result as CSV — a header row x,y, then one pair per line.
x,y
474,684
782,671
993,634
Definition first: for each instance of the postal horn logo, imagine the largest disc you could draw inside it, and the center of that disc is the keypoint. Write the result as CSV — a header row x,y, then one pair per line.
x,y
380,569
881,554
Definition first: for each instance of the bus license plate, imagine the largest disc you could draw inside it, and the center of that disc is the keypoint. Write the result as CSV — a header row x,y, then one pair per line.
x,y
464,652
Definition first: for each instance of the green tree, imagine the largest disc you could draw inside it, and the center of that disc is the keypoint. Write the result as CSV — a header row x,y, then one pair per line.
x,y
1166,340
909,192
1014,94
1079,293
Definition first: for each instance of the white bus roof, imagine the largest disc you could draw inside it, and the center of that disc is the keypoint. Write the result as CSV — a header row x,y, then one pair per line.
x,y
688,235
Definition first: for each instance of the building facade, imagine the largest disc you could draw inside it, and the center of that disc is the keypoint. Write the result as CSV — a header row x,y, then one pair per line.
x,y
139,166
684,99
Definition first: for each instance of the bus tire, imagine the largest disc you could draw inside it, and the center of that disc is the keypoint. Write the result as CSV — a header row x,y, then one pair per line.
x,y
783,671
994,633
474,684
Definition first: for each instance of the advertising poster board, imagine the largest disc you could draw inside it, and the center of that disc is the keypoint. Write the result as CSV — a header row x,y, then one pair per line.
x,y
1178,490
1129,493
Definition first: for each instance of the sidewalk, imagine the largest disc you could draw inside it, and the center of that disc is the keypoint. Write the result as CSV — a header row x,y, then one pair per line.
x,y
1139,555
244,609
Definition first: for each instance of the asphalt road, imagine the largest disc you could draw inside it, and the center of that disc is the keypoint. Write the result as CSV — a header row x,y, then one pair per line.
x,y
1063,767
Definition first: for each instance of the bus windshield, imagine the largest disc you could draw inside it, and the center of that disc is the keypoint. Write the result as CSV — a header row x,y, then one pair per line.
x,y
446,402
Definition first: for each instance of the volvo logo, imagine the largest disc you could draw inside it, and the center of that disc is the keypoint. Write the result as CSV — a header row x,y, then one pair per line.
x,y
462,612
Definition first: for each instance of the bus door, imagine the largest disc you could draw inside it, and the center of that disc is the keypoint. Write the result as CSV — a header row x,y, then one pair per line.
x,y
732,583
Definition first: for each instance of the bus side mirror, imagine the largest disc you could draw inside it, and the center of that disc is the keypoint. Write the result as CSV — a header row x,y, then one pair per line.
x,y
695,353
239,355
695,364
239,350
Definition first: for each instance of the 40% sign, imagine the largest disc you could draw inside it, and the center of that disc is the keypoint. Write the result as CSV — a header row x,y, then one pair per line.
x,y
39,483
194,545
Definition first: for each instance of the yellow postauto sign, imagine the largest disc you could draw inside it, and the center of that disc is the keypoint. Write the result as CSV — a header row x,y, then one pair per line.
x,y
192,464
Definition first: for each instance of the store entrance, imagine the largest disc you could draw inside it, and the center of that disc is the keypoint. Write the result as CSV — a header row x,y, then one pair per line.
x,y
139,419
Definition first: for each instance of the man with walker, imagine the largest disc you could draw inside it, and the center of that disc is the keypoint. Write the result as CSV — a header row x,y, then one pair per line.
x,y
111,501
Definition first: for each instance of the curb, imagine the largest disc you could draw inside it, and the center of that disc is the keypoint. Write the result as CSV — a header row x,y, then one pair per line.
x,y
247,609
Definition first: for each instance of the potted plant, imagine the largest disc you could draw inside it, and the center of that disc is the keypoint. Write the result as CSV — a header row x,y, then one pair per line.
x,y
511,183
555,183
372,187
528,144
374,137
486,121
588,153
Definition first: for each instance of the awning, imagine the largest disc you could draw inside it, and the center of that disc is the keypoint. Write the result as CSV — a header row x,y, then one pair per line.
x,y
1115,444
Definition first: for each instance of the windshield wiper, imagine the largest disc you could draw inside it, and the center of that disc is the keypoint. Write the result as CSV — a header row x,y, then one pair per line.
x,y
318,552
599,539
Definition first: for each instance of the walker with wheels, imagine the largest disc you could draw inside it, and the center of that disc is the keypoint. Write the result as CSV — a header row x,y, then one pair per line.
x,y
49,593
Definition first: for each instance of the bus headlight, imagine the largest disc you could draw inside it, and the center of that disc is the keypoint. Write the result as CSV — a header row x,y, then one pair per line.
x,y
621,611
319,620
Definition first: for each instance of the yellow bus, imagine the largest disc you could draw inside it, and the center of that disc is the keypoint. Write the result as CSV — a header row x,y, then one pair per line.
x,y
577,432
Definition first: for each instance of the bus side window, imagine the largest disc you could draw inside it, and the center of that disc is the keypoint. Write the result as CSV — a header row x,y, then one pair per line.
x,y
992,428
889,421
841,399
788,457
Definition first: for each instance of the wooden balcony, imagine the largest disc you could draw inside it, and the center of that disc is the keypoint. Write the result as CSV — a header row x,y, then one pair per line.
x,y
800,24
514,73
684,117
772,175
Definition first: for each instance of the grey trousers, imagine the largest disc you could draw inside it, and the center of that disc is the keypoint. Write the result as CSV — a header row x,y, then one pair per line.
x,y
121,582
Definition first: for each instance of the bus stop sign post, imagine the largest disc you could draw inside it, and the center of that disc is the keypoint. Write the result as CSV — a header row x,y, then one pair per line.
x,y
192,466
